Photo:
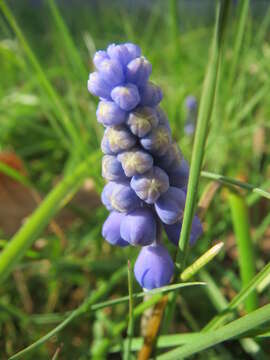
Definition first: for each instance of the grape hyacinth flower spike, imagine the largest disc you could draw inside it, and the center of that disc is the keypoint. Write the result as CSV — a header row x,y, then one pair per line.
x,y
144,168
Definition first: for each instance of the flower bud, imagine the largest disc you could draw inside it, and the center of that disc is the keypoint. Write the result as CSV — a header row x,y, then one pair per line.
x,y
120,53
138,71
118,139
123,198
112,72
162,118
98,87
172,159
139,227
150,185
157,141
112,169
151,95
111,229
126,96
106,195
134,50
170,205
154,267
135,162
179,177
173,231
142,120
99,57
110,114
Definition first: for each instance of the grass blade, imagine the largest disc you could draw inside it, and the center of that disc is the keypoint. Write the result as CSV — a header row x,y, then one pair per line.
x,y
36,223
204,116
246,259
130,330
86,306
201,262
234,329
238,299
231,182
242,20
71,50
43,80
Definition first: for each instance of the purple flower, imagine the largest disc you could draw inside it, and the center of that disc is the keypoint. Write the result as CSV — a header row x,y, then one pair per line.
x,y
150,185
146,170
120,53
126,96
162,118
118,138
135,162
170,205
106,195
123,198
191,102
99,57
111,71
138,71
142,120
112,169
139,227
111,229
151,95
179,176
173,231
98,87
134,50
172,159
191,105
154,267
110,114
157,141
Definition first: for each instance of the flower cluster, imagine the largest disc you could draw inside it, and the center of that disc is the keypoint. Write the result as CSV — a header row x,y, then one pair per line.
x,y
145,171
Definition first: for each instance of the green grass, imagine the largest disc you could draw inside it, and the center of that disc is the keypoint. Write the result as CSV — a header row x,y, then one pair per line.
x,y
77,299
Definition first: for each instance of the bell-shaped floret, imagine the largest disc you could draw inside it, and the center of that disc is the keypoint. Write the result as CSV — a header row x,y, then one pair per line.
x,y
142,120
116,139
99,57
173,231
126,96
98,86
179,177
151,94
135,162
170,205
112,72
138,71
110,114
157,141
150,185
154,267
111,229
112,169
123,198
139,227
120,53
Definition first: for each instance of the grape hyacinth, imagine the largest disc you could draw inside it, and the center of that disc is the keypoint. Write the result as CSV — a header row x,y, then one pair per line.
x,y
144,168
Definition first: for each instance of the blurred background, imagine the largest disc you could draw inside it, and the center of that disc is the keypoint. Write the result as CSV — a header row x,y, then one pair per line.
x,y
45,58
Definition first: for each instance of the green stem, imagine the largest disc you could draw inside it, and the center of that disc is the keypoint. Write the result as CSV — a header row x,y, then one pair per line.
x,y
43,80
130,330
241,226
227,332
231,182
243,11
33,227
204,116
